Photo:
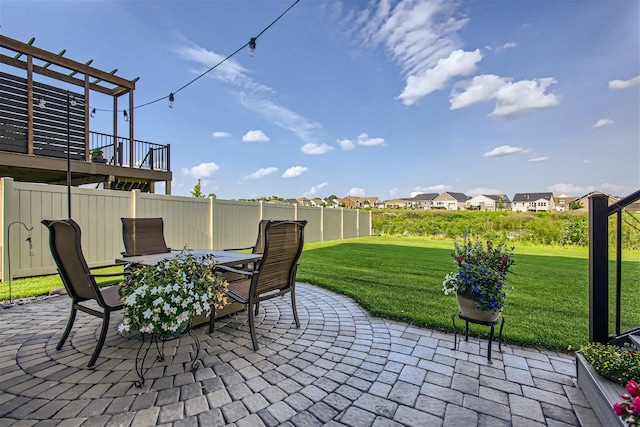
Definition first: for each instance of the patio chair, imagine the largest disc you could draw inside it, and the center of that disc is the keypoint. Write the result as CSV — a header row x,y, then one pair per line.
x,y
80,283
258,248
274,276
143,236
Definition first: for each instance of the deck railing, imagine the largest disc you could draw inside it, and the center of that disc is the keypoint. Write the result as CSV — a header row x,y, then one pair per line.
x,y
600,213
145,155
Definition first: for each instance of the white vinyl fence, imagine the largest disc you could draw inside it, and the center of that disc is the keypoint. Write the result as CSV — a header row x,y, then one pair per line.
x,y
188,221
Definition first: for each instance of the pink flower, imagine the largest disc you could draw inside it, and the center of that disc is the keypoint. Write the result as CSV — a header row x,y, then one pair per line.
x,y
632,388
635,406
619,409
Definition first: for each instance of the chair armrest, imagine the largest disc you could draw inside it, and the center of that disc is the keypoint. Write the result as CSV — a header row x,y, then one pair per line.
x,y
239,249
228,269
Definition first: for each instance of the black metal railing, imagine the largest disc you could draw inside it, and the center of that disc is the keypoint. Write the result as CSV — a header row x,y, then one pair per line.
x,y
600,213
140,154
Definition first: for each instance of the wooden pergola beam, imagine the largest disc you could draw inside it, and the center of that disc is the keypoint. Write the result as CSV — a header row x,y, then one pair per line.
x,y
41,54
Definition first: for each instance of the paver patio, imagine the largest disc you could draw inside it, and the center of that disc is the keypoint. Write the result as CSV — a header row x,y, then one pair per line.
x,y
342,367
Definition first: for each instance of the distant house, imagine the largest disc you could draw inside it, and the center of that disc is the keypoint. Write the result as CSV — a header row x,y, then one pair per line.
x,y
398,203
583,201
333,203
562,202
423,200
361,202
317,202
533,202
450,201
303,201
489,202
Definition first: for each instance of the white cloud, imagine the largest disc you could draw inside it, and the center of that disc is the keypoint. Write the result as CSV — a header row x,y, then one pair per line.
x,y
481,190
356,192
624,84
365,140
503,150
512,98
346,144
603,122
311,148
579,190
509,45
538,159
279,115
255,136
362,140
458,63
221,134
439,188
313,191
571,189
252,95
203,170
294,171
262,172
417,35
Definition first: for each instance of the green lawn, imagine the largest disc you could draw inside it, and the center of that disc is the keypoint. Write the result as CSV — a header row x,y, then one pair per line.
x,y
401,278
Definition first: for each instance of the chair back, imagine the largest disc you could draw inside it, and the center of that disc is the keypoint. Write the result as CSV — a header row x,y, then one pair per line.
x,y
259,246
143,236
66,249
283,245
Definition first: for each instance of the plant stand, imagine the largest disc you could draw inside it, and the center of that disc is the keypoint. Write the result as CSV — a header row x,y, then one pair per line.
x,y
159,341
491,324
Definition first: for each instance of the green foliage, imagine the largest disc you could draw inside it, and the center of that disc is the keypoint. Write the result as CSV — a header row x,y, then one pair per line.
x,y
163,298
613,362
567,228
197,191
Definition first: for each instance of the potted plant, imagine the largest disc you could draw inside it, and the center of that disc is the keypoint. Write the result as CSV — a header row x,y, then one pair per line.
x,y
96,155
162,299
479,282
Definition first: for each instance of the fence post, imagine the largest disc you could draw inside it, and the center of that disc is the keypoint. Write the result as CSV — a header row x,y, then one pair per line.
x,y
598,268
6,215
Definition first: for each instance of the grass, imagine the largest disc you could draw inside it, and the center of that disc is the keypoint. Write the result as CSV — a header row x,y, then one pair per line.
x,y
401,278
41,285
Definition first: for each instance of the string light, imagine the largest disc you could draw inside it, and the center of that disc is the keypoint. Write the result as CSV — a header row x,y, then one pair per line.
x,y
41,103
126,116
93,112
252,51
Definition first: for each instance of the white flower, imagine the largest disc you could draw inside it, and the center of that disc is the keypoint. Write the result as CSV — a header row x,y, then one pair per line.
x,y
158,301
147,314
176,287
124,327
155,290
131,300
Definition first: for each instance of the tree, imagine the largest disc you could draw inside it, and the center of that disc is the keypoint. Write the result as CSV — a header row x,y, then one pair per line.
x,y
197,191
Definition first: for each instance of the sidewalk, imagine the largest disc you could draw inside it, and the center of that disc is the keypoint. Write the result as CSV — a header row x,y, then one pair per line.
x,y
342,367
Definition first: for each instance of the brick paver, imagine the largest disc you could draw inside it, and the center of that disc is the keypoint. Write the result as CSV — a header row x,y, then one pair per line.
x,y
340,368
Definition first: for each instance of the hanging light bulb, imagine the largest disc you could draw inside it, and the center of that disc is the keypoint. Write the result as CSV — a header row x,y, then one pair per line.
x,y
126,116
252,46
41,103
73,101
93,112
171,100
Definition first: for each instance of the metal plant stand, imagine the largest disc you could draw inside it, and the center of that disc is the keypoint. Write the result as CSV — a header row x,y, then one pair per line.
x,y
478,322
159,342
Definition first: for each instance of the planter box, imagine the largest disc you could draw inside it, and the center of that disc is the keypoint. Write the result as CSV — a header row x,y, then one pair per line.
x,y
599,391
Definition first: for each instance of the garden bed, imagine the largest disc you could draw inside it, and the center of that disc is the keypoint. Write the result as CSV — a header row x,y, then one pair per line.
x,y
599,391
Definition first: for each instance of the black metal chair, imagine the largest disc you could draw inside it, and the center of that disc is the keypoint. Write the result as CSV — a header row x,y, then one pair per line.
x,y
143,236
80,283
274,276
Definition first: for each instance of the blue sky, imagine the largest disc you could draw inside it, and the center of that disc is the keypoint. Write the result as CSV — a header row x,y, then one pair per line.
x,y
385,98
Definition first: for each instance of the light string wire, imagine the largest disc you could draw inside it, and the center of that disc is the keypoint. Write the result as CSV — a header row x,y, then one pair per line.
x,y
216,65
